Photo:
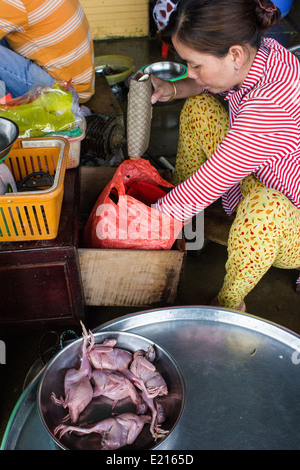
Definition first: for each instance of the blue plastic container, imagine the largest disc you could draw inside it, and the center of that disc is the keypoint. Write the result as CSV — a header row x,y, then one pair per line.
x,y
284,6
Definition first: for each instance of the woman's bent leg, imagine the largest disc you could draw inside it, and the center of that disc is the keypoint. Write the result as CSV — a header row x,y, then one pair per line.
x,y
265,233
204,123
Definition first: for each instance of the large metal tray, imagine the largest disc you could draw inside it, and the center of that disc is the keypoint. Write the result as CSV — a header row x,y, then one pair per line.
x,y
241,374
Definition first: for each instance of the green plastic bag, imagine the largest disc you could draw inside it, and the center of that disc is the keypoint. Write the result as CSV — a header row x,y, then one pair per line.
x,y
42,110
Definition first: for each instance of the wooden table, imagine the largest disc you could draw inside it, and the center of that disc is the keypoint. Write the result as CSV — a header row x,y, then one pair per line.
x,y
40,280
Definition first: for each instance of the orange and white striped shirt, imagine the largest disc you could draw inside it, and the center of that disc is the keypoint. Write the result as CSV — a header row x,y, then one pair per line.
x,y
264,139
55,34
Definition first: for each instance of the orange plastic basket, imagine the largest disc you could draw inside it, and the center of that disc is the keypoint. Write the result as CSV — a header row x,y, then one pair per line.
x,y
34,215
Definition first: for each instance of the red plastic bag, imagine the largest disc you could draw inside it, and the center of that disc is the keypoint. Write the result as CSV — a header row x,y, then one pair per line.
x,y
123,217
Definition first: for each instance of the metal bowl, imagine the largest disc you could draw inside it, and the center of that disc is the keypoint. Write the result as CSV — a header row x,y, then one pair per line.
x,y
171,71
99,409
123,63
295,50
9,132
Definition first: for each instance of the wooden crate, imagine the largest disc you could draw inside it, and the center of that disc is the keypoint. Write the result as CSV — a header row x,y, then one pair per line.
x,y
124,277
115,18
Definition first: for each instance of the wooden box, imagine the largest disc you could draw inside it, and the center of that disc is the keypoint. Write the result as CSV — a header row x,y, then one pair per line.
x,y
124,277
115,18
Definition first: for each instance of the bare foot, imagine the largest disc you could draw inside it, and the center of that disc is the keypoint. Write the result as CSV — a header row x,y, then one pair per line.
x,y
240,308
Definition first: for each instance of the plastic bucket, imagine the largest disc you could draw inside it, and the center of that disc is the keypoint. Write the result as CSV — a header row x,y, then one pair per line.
x,y
284,6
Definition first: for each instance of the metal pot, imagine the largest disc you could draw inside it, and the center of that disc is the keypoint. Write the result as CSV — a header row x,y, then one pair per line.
x,y
9,132
53,381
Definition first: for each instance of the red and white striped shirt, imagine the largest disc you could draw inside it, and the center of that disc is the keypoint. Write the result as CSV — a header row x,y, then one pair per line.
x,y
264,139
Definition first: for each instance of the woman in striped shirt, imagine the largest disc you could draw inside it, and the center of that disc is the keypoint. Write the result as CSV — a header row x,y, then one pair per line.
x,y
249,157
43,41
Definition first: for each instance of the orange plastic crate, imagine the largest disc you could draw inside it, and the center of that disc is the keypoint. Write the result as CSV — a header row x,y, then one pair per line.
x,y
34,215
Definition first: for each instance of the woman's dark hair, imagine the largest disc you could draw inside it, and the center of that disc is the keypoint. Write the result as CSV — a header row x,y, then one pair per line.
x,y
213,26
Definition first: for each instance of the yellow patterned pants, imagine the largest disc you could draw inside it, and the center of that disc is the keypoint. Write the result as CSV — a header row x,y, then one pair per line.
x,y
266,229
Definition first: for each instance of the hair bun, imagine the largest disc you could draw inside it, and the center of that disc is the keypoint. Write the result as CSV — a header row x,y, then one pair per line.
x,y
267,14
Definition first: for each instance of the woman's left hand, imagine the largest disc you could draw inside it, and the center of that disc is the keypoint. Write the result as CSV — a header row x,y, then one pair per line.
x,y
163,90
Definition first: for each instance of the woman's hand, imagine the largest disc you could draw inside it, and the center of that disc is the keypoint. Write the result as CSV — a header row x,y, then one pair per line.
x,y
162,90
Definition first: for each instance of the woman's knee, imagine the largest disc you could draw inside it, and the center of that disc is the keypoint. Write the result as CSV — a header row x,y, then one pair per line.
x,y
263,208
266,227
204,103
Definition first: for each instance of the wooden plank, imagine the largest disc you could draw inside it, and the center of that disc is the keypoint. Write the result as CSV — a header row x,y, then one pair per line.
x,y
101,33
106,30
111,21
130,277
113,26
114,4
111,18
108,12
